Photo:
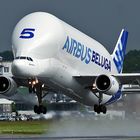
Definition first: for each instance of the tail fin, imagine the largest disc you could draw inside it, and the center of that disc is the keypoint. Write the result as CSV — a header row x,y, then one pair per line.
x,y
119,51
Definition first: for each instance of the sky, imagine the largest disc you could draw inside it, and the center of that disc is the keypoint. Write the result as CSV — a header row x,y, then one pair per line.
x,y
99,19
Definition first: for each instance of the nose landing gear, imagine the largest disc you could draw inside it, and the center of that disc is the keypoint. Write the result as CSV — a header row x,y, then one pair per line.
x,y
36,87
40,109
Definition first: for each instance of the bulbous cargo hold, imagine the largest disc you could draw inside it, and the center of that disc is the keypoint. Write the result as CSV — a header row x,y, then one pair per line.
x,y
38,35
41,35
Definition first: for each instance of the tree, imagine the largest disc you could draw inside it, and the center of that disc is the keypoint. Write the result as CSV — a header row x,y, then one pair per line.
x,y
7,55
132,61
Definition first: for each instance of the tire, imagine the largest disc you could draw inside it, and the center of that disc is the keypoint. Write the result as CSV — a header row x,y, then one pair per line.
x,y
98,110
43,109
103,109
36,109
95,108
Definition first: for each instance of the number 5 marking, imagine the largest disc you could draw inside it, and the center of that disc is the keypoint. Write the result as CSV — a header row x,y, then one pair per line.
x,y
27,33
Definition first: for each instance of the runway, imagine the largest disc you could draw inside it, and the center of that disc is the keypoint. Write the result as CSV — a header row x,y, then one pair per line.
x,y
16,137
83,128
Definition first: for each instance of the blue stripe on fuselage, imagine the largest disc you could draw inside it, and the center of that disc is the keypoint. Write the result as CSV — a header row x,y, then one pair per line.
x,y
115,97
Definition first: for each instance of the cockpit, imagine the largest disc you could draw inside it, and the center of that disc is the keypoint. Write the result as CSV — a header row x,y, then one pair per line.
x,y
24,57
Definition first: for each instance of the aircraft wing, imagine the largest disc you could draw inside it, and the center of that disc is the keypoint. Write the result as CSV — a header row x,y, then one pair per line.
x,y
123,78
127,78
131,89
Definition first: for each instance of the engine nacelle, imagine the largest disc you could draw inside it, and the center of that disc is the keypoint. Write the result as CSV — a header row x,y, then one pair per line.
x,y
107,84
8,86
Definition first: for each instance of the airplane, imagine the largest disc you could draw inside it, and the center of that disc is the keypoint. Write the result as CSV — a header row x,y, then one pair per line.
x,y
51,55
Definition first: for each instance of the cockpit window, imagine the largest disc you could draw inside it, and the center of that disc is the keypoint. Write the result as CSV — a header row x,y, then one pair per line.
x,y
24,57
17,57
29,58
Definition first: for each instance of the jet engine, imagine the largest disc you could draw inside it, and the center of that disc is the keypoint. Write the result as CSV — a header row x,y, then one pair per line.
x,y
7,86
107,84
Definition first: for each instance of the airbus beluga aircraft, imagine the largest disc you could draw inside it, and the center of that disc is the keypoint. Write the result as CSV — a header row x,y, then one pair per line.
x,y
50,55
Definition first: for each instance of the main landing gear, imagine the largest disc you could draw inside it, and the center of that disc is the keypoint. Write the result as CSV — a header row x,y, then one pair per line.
x,y
36,87
100,108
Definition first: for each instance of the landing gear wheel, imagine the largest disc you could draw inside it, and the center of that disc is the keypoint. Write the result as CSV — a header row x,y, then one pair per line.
x,y
35,108
40,109
43,109
100,108
103,109
95,108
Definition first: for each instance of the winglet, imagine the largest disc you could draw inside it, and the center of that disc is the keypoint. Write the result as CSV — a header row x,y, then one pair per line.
x,y
119,51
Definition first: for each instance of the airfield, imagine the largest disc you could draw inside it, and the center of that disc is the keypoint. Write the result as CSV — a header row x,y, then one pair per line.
x,y
80,127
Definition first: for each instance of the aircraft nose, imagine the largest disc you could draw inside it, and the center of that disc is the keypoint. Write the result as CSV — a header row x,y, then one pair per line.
x,y
19,68
24,68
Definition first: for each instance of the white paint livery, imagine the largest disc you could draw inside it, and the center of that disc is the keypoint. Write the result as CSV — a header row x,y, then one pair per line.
x,y
50,36
50,60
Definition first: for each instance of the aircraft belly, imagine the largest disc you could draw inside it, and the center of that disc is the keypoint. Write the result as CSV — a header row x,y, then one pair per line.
x,y
59,77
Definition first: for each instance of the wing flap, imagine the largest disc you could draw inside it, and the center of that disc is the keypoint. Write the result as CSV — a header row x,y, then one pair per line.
x,y
131,89
128,78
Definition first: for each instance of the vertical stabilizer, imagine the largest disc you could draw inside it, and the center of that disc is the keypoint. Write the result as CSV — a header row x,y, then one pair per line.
x,y
119,51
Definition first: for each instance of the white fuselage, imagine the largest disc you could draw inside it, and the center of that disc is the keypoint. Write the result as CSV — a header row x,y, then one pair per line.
x,y
59,52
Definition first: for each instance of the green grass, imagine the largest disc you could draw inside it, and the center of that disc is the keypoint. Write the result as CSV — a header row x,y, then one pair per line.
x,y
24,127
